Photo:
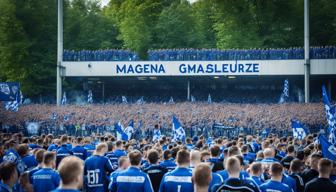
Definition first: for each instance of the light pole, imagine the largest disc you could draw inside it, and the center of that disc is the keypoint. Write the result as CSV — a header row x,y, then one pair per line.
x,y
59,52
306,50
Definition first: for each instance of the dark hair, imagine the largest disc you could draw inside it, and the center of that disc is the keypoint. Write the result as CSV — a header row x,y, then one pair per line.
x,y
48,157
23,149
202,175
290,149
153,156
39,155
276,169
295,165
324,166
167,154
7,169
215,150
135,157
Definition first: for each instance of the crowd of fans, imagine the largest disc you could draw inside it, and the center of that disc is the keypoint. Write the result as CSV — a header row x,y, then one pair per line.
x,y
326,52
100,55
102,163
199,117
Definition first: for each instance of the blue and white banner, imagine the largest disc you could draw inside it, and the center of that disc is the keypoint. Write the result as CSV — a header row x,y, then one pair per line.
x,y
8,91
121,135
179,133
285,93
330,113
299,131
124,99
90,97
14,105
129,130
156,135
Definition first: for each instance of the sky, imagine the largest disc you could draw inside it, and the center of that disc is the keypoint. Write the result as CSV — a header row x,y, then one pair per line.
x,y
105,2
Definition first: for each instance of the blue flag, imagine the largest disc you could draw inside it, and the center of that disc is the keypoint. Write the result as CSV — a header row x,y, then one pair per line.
x,y
328,150
193,99
121,135
129,130
285,93
14,105
156,135
265,132
179,133
90,97
209,98
64,99
299,132
171,100
330,113
140,101
124,99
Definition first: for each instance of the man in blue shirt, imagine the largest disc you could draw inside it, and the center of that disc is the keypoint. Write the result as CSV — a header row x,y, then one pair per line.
x,y
28,159
202,177
255,173
96,170
63,151
154,170
39,158
12,155
89,147
234,182
168,161
180,178
46,179
123,164
9,176
116,154
275,184
71,173
133,179
79,151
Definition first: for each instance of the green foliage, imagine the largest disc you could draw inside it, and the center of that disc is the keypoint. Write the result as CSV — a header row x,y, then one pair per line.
x,y
28,30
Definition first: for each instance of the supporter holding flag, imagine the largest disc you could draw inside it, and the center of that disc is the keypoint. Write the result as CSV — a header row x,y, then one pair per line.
x,y
133,179
96,169
180,178
179,133
323,182
330,113
71,174
46,179
299,132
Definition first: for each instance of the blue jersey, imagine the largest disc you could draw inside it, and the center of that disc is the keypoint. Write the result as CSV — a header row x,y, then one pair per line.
x,y
133,180
216,180
225,175
4,188
275,186
257,180
53,147
45,179
79,152
269,161
177,180
118,153
65,190
29,161
289,181
89,148
113,159
31,172
96,169
113,177
62,152
168,164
